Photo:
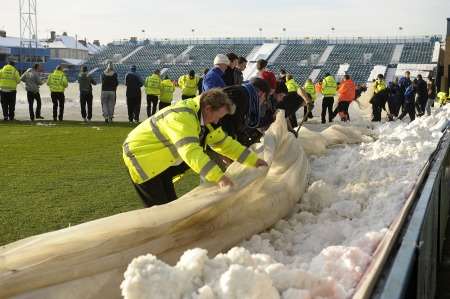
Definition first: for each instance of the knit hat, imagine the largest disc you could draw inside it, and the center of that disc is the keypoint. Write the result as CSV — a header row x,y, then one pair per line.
x,y
221,59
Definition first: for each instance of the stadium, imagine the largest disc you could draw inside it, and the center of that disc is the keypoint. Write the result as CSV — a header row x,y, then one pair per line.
x,y
350,208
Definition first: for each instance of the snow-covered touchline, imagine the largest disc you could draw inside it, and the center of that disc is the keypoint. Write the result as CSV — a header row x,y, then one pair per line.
x,y
323,249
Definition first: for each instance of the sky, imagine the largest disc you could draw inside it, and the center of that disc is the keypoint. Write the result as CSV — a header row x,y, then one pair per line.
x,y
113,20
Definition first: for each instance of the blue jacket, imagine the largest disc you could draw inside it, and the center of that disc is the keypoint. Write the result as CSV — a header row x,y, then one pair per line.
x,y
213,79
403,83
410,94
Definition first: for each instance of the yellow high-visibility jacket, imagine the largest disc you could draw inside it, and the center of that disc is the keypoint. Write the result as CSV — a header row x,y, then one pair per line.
x,y
9,78
172,135
167,89
380,85
57,81
153,85
442,98
311,90
291,85
188,86
329,86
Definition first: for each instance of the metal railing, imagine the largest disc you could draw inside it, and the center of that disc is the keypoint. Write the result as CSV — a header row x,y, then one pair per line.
x,y
330,39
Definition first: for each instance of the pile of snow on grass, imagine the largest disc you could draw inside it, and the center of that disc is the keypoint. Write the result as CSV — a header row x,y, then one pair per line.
x,y
323,249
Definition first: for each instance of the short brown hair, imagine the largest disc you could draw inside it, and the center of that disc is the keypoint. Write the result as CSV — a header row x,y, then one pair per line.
x,y
260,64
232,57
217,99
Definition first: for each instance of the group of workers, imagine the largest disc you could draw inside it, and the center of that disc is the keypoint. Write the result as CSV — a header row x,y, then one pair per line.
x,y
219,117
206,132
411,97
10,78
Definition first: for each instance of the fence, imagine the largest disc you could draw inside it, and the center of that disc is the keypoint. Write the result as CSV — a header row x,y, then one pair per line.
x,y
330,39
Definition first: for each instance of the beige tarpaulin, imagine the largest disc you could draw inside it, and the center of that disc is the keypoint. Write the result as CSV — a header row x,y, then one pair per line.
x,y
88,260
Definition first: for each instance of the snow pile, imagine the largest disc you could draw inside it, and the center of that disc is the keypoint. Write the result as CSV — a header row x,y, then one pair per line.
x,y
323,249
377,69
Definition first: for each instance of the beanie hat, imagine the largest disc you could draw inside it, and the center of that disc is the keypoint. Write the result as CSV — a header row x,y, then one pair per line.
x,y
221,59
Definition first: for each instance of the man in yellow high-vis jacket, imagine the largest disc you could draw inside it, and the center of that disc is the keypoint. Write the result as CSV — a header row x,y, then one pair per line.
x,y
167,90
57,83
188,84
174,139
9,78
329,90
153,90
310,90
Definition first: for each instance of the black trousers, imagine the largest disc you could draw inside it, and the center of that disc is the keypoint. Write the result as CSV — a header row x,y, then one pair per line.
x,y
342,106
305,110
394,107
327,104
31,97
376,111
8,101
134,107
163,105
160,190
184,97
408,108
86,102
58,100
421,104
152,102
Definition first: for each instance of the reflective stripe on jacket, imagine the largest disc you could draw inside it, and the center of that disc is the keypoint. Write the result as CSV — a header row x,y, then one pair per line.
x,y
188,85
153,85
172,135
9,78
57,81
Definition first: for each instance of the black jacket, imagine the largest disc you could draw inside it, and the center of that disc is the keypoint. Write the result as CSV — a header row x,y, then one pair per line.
x,y
200,85
234,124
422,89
238,77
134,84
229,77
109,81
291,103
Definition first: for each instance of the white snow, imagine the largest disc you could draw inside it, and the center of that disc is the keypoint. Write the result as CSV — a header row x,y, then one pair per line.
x,y
414,69
323,249
377,69
72,103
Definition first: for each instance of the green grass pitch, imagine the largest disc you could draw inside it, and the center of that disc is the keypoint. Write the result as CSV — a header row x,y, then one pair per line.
x,y
56,175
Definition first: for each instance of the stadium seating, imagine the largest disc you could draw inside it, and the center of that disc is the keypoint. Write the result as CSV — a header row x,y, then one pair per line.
x,y
417,53
108,53
298,57
362,53
152,54
294,53
206,53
